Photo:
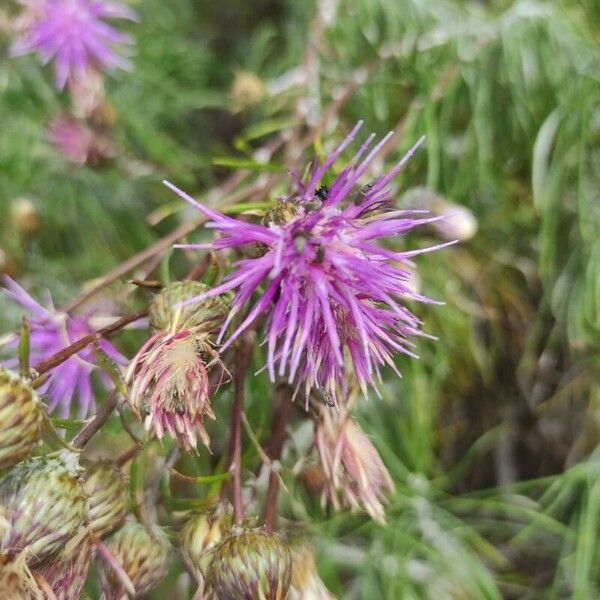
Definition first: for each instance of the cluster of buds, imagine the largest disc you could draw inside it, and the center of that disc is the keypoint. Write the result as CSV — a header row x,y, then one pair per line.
x,y
20,418
169,376
42,506
106,490
143,554
354,474
250,564
196,540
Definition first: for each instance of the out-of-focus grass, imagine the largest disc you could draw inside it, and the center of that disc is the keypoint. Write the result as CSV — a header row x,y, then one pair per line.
x,y
490,436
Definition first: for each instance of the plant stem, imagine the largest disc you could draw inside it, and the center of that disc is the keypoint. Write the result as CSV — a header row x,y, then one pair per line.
x,y
235,431
66,353
281,417
106,409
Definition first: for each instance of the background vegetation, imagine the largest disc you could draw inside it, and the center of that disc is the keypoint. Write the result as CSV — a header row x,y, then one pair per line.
x,y
491,436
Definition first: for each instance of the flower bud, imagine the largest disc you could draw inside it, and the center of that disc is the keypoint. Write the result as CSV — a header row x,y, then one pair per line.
x,y
25,216
306,583
247,90
206,316
66,573
20,418
250,564
107,497
8,266
197,537
43,504
144,555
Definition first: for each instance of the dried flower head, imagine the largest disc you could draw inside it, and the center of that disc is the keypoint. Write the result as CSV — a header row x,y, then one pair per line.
x,y
143,554
51,331
169,376
355,475
108,500
250,564
333,296
20,418
74,35
43,504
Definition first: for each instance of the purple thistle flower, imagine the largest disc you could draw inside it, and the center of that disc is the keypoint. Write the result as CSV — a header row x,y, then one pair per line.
x,y
333,296
51,331
74,34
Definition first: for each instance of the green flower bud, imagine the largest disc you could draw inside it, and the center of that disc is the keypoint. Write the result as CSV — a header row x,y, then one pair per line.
x,y
250,564
42,506
197,537
144,555
206,316
20,418
108,500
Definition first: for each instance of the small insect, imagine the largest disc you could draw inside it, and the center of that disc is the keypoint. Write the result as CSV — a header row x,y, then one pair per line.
x,y
145,408
360,195
322,193
320,256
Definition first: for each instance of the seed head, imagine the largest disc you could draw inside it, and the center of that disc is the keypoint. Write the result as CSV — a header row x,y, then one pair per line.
x,y
20,418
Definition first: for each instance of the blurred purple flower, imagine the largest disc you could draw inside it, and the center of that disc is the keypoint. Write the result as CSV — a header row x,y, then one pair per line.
x,y
78,143
332,295
73,34
51,331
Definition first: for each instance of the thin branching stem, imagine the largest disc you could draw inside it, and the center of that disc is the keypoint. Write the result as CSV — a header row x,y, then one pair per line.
x,y
281,417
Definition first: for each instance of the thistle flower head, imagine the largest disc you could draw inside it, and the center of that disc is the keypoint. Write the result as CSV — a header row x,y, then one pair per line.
x,y
355,475
66,573
20,418
333,296
108,500
43,504
143,554
169,376
74,35
52,331
250,564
